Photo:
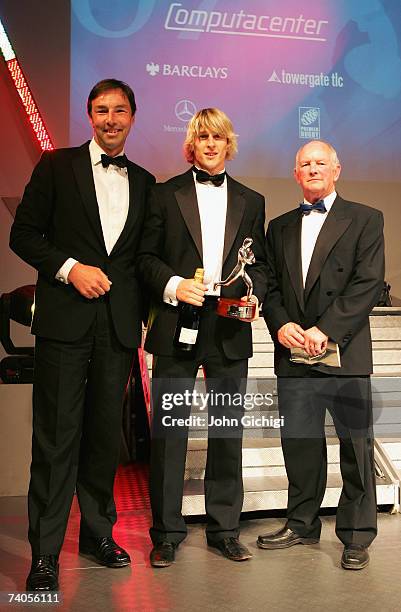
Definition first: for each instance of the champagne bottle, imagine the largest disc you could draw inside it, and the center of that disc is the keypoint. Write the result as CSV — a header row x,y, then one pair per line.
x,y
186,332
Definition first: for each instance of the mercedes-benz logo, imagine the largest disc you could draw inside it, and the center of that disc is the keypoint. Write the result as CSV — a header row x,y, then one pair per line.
x,y
184,110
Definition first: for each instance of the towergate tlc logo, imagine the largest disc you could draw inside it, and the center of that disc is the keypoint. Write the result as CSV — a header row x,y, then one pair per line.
x,y
244,24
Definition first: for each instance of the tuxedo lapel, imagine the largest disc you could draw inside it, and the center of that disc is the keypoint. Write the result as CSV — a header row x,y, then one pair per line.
x,y
333,228
292,255
235,212
188,205
82,169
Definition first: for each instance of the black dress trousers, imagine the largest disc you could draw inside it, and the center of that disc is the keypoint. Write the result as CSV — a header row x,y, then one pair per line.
x,y
303,403
77,409
223,477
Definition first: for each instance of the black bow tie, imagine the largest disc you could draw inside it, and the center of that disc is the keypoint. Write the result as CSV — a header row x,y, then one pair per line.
x,y
319,206
120,161
204,177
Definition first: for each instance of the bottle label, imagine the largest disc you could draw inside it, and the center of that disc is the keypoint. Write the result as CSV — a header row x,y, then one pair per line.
x,y
188,336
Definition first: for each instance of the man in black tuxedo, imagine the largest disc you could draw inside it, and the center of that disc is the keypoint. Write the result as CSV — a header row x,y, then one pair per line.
x,y
79,224
199,219
325,265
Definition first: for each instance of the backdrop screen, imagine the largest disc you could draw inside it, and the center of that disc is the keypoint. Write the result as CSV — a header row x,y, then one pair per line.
x,y
284,72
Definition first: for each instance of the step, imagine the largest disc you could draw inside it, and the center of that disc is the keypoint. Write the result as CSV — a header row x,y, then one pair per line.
x,y
264,453
271,493
392,448
265,481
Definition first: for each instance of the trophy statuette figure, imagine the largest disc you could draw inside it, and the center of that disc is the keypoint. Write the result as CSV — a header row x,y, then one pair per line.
x,y
237,308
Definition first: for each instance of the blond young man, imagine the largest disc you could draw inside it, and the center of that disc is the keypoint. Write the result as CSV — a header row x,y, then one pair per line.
x,y
199,219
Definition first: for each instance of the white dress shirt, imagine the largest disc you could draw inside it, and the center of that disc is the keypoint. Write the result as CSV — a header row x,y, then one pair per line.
x,y
112,194
212,206
311,226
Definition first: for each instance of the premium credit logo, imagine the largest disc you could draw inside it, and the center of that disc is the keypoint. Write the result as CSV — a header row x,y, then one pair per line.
x,y
309,122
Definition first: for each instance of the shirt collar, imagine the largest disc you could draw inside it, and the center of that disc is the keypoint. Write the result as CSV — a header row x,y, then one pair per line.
x,y
328,200
96,152
197,167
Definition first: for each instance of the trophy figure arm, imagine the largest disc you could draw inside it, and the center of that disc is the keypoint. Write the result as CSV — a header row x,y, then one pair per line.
x,y
234,274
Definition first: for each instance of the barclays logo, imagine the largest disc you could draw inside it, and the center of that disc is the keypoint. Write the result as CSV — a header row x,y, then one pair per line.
x,y
186,71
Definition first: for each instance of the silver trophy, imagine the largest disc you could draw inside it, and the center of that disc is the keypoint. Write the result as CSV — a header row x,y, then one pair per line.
x,y
234,307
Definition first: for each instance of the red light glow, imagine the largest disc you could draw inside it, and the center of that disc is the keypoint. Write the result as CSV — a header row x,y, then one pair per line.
x,y
30,106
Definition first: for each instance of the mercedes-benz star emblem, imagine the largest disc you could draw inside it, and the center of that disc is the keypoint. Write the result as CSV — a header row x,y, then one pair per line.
x,y
185,110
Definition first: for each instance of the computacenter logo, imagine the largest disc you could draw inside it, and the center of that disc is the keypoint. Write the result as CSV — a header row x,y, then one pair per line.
x,y
182,70
245,24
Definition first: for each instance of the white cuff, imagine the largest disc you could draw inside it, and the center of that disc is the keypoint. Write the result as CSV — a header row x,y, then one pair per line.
x,y
62,274
170,290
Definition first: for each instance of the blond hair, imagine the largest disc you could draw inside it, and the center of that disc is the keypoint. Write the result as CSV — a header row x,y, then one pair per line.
x,y
210,120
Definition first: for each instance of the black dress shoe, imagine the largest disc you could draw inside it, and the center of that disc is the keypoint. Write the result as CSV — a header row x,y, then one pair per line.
x,y
283,538
163,554
106,552
232,549
355,557
44,574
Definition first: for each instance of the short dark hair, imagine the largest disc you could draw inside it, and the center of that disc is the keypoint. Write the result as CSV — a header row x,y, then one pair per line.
x,y
106,85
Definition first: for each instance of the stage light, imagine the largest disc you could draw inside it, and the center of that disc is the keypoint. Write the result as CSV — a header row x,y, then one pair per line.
x,y
16,306
24,92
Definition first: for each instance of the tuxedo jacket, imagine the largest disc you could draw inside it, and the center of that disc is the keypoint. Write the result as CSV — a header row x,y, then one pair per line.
x,y
343,284
172,245
58,218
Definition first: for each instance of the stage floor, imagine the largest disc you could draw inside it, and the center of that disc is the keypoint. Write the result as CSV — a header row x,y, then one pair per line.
x,y
302,578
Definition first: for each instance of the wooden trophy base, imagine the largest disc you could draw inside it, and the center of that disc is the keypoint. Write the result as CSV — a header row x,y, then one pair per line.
x,y
234,308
